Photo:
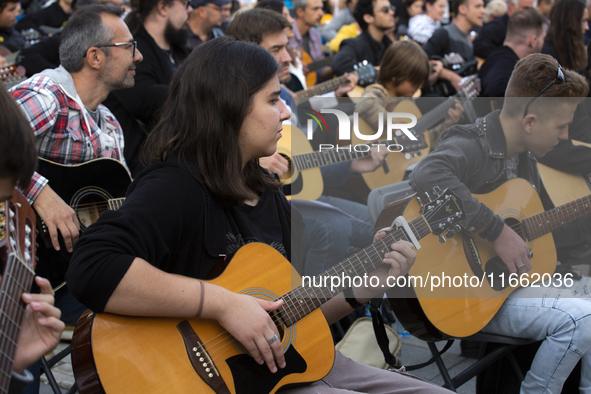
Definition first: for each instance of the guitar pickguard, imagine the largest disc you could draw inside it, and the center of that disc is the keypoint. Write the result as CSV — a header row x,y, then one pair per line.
x,y
252,378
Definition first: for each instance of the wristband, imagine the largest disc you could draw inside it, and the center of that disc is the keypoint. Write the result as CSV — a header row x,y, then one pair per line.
x,y
201,299
351,300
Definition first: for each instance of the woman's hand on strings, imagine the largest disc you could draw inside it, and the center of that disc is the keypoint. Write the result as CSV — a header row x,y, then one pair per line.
x,y
247,320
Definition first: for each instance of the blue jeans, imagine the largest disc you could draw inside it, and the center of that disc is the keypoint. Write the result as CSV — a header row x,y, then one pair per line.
x,y
330,231
559,316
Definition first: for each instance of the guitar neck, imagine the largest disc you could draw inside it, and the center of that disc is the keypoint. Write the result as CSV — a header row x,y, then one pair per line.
x,y
115,203
17,279
543,223
323,87
436,115
306,298
318,64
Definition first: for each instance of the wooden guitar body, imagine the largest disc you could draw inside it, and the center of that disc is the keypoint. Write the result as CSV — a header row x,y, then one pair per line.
x,y
117,354
563,187
460,311
395,164
294,142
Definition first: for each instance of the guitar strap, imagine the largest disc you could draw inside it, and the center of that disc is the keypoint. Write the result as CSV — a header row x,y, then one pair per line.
x,y
383,341
380,331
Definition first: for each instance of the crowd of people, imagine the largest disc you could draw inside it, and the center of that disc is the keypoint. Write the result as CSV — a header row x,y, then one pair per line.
x,y
191,97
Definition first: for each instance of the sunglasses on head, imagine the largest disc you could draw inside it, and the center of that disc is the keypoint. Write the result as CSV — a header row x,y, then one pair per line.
x,y
559,78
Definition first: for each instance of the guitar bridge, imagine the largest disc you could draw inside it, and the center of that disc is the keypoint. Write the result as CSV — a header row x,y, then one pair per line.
x,y
200,359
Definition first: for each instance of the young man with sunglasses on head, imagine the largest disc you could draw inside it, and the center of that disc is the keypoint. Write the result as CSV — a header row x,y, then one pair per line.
x,y
375,18
540,102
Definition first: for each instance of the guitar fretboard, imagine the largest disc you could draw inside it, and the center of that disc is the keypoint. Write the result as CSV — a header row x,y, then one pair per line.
x,y
115,203
323,87
326,157
304,299
544,222
16,280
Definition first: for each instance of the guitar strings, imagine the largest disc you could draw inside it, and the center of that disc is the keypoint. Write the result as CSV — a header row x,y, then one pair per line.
x,y
288,309
229,339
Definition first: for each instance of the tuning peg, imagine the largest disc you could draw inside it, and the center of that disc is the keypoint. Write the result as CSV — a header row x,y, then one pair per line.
x,y
450,233
420,153
420,202
442,239
407,156
437,190
457,228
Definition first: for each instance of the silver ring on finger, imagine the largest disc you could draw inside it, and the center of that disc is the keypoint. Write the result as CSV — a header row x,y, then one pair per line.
x,y
273,339
520,267
530,255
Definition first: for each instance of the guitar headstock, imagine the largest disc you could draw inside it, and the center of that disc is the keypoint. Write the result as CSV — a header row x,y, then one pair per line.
x,y
444,212
17,229
411,147
470,86
365,72
453,60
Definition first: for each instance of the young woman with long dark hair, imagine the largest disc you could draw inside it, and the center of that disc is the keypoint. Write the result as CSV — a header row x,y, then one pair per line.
x,y
564,41
204,196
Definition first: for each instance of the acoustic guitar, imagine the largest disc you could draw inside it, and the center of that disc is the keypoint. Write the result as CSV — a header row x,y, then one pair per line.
x,y
17,254
89,188
463,310
563,187
395,164
118,354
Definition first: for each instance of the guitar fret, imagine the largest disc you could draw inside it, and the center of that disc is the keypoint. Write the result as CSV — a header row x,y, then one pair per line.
x,y
545,222
302,300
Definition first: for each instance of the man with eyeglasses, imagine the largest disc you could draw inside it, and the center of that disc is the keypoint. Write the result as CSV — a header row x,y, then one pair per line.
x,y
206,19
540,102
160,28
63,106
376,19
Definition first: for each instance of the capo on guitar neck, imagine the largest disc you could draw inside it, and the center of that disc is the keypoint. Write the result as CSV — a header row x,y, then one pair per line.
x,y
399,222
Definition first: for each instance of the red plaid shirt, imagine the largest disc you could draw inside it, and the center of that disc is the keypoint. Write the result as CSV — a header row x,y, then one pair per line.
x,y
66,133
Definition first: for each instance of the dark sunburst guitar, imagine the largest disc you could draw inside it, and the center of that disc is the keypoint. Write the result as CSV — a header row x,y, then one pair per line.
x,y
118,354
89,188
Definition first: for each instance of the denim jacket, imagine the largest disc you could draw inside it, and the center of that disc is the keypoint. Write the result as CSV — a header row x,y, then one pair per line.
x,y
472,159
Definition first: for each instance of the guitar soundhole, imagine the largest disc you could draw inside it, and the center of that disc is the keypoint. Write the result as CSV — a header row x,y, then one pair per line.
x,y
89,206
286,178
517,227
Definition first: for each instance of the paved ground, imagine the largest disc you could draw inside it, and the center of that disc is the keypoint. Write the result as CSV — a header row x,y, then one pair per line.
x,y
413,351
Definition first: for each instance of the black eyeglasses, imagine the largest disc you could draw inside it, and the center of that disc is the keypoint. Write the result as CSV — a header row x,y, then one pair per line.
x,y
559,77
386,10
118,44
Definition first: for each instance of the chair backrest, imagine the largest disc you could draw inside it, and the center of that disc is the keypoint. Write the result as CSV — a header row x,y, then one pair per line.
x,y
382,196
